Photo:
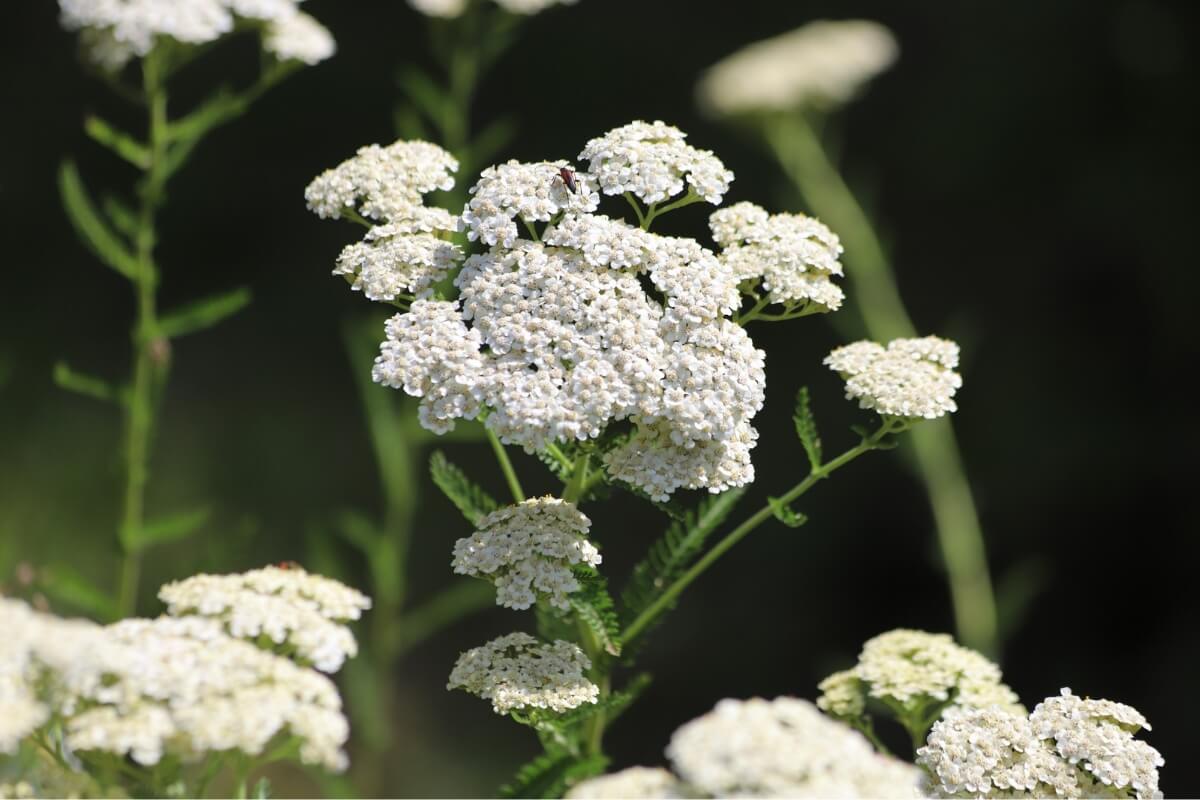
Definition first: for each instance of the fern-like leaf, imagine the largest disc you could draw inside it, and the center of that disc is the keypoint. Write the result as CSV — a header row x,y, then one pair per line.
x,y
471,500
785,513
806,428
551,774
594,606
671,554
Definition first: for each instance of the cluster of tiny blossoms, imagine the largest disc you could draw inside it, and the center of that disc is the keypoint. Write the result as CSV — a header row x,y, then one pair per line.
x,y
793,256
1068,747
297,612
553,333
517,672
147,688
910,378
116,31
821,64
528,551
453,8
765,748
913,670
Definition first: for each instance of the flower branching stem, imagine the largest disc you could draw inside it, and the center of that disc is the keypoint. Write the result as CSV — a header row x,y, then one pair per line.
x,y
506,467
799,151
663,602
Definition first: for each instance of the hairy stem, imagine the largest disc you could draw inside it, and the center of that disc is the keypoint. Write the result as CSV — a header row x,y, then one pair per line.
x,y
939,463
672,592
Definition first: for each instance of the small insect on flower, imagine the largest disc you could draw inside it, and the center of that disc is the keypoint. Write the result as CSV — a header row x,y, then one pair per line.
x,y
289,565
568,178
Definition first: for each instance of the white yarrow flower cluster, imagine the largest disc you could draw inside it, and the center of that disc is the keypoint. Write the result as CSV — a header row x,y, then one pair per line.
x,y
173,685
517,672
783,748
528,551
387,265
915,669
529,192
299,612
116,31
793,256
821,64
1068,747
453,8
910,378
652,161
383,183
634,783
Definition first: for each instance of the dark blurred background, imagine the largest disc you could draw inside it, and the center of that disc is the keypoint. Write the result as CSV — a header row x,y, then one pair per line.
x,y
1032,165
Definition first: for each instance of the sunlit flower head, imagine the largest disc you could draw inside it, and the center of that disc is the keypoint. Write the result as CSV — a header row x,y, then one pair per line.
x,y
821,64
783,748
517,672
634,783
528,192
794,257
298,37
1068,747
386,266
298,612
914,669
912,378
528,551
652,161
383,183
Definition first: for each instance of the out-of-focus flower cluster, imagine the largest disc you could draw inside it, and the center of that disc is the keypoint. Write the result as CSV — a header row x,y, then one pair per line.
x,y
519,673
115,31
819,65
1067,747
912,671
181,685
764,748
910,378
454,8
298,613
528,551
571,320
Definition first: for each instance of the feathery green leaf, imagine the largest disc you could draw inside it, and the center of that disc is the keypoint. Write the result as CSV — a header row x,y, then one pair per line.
x,y
806,428
471,500
594,606
91,229
118,142
785,513
203,313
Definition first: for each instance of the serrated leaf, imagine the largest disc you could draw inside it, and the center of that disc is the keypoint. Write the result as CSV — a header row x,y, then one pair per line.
x,y
86,385
594,606
785,513
118,142
551,774
471,500
64,584
672,553
165,529
91,229
203,313
806,428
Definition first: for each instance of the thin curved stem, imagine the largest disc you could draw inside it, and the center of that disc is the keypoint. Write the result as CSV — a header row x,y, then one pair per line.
x,y
664,600
939,463
506,466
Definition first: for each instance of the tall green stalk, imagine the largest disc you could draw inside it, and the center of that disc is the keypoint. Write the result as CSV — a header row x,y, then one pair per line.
x,y
798,148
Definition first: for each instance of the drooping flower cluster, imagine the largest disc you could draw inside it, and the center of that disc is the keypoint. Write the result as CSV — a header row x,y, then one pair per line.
x,y
177,686
453,8
528,551
116,31
793,256
765,748
910,378
819,65
914,670
517,672
298,612
1068,747
589,322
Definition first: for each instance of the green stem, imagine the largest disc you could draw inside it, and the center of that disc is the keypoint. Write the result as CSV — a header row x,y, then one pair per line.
x,y
573,490
669,595
939,463
655,211
637,209
510,474
150,350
